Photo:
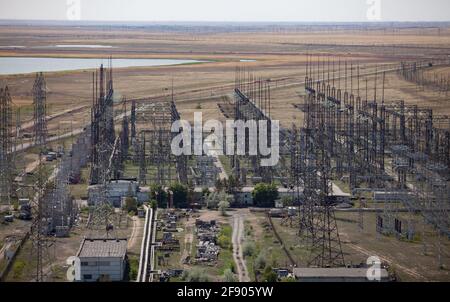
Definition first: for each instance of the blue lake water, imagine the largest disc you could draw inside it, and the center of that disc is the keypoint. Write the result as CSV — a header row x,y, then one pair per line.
x,y
20,65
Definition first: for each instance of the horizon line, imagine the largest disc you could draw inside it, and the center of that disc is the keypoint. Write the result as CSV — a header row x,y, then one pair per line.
x,y
232,22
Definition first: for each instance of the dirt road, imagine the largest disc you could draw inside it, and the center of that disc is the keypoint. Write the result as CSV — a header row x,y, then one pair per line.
x,y
137,225
238,256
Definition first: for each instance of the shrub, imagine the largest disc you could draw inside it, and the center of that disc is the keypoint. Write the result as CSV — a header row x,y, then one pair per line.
x,y
195,275
130,204
260,261
153,204
228,276
287,201
223,206
269,275
224,242
134,267
224,237
18,268
249,249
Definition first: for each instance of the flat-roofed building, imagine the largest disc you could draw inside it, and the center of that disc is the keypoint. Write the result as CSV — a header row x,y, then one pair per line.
x,y
340,274
102,259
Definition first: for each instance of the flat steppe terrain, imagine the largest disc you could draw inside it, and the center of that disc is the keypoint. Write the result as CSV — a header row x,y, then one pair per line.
x,y
280,56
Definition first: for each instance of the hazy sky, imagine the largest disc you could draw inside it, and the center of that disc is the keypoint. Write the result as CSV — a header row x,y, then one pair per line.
x,y
227,10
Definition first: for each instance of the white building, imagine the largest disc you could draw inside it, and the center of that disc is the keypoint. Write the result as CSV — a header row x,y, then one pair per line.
x,y
116,190
102,259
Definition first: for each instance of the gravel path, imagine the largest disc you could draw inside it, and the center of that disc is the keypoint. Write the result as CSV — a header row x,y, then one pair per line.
x,y
237,237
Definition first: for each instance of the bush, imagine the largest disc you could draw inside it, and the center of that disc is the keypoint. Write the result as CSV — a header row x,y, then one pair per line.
x,y
260,261
287,201
223,206
18,268
224,242
269,275
224,238
249,231
249,249
288,279
211,202
228,276
85,210
134,267
153,204
195,275
130,204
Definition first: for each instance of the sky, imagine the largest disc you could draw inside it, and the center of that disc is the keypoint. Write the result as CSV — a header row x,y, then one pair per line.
x,y
228,10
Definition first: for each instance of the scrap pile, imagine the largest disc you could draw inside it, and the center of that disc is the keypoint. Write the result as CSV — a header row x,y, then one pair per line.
x,y
207,248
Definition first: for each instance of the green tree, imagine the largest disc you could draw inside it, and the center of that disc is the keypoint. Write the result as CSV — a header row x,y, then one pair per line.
x,y
157,193
264,195
153,204
180,195
269,275
223,206
130,205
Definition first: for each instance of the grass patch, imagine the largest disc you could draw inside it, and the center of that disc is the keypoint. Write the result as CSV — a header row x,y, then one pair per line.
x,y
18,269
133,263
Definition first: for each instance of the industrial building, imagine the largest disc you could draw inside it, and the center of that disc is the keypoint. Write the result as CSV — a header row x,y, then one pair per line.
x,y
102,259
336,274
116,191
244,196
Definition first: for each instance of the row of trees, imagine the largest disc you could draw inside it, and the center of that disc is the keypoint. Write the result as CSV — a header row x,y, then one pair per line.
x,y
264,195
181,195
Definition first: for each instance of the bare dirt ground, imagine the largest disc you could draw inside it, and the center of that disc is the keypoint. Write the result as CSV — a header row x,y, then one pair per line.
x,y
136,234
279,56
411,260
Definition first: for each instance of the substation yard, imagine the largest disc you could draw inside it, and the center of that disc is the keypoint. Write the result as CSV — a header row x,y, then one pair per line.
x,y
409,260
287,60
